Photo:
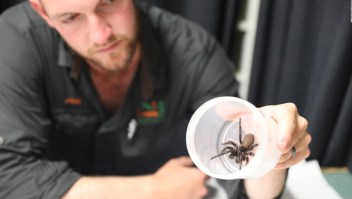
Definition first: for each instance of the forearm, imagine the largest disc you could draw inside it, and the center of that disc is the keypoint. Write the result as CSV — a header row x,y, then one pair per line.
x,y
111,187
175,179
24,177
268,186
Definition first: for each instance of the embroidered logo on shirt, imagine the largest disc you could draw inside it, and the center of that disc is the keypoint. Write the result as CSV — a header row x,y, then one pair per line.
x,y
151,112
73,101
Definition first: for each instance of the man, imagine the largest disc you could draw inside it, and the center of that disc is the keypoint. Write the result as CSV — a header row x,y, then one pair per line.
x,y
96,96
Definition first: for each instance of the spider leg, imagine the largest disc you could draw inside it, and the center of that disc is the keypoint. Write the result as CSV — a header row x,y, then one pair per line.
x,y
234,154
244,157
251,153
223,152
238,158
240,131
232,143
241,159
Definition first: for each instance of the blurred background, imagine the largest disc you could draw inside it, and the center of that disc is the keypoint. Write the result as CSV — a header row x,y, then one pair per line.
x,y
287,51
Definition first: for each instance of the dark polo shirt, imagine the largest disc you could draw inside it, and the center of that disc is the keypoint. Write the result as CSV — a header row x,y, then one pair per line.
x,y
53,128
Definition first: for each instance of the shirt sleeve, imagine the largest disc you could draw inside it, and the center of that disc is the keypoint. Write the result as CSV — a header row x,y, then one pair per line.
x,y
215,74
24,123
234,189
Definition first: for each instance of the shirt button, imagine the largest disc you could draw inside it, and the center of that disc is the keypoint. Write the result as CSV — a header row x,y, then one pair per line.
x,y
1,140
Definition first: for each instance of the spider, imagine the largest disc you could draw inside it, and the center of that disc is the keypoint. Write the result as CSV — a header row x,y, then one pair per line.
x,y
239,152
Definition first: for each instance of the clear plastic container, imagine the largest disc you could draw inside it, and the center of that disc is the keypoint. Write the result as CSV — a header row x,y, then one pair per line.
x,y
219,121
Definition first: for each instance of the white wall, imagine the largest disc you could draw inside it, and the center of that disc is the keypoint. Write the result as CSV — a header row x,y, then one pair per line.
x,y
248,26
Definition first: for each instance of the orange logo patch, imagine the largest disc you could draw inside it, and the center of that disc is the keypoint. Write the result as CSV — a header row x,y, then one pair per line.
x,y
73,101
150,110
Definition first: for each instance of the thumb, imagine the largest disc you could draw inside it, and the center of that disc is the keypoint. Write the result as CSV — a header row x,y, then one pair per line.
x,y
184,161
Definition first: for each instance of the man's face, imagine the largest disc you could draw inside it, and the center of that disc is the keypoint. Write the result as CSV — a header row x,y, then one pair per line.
x,y
102,31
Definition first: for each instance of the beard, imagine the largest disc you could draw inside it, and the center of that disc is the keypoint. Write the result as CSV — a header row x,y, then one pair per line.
x,y
119,58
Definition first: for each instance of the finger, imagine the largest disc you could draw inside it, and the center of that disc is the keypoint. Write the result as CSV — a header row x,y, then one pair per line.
x,y
184,160
299,133
303,154
204,177
199,173
286,118
301,127
303,142
203,192
300,145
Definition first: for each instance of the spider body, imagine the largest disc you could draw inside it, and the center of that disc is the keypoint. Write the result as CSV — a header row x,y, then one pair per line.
x,y
239,152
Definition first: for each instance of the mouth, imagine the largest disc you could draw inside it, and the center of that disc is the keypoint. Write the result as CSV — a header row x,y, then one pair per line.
x,y
107,48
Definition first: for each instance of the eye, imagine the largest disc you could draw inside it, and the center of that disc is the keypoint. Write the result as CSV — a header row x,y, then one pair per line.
x,y
106,2
107,6
70,19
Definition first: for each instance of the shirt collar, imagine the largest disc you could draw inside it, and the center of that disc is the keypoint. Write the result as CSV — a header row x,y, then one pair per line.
x,y
65,55
154,57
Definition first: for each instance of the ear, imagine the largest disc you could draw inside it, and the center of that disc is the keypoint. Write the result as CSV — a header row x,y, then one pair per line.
x,y
38,7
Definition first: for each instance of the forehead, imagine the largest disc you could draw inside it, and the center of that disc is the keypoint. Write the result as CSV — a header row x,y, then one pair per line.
x,y
58,6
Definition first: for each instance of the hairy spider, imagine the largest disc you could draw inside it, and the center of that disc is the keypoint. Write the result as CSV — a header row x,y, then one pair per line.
x,y
239,152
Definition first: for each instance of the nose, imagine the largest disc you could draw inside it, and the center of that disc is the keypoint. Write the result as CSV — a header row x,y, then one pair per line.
x,y
99,29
